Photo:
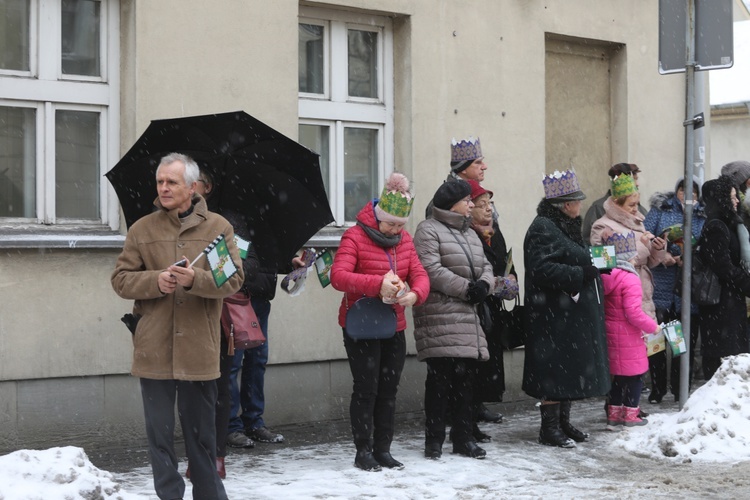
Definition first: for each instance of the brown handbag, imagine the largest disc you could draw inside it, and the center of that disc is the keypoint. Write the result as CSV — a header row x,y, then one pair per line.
x,y
240,323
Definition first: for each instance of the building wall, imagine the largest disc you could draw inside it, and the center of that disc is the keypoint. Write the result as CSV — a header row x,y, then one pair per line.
x,y
462,68
729,141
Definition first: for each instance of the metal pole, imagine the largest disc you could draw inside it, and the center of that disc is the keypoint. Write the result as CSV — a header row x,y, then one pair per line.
x,y
687,257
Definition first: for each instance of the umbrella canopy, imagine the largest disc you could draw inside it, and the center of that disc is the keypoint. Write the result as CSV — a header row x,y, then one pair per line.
x,y
271,179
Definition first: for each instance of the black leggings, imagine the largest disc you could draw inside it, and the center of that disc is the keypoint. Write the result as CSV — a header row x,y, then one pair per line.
x,y
376,367
626,390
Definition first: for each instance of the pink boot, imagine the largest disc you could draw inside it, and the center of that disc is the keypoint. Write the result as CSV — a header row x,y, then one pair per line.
x,y
615,417
631,417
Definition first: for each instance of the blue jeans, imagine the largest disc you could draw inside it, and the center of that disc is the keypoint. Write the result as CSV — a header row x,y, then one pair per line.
x,y
249,394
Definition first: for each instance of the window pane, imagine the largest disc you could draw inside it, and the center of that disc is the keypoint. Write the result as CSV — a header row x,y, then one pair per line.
x,y
77,165
17,162
80,37
14,34
311,62
363,63
360,169
315,137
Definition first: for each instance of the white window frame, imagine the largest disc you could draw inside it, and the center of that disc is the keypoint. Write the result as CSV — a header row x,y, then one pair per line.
x,y
336,109
46,89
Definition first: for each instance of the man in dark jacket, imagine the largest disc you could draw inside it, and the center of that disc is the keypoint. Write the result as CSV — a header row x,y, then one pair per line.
x,y
596,210
176,342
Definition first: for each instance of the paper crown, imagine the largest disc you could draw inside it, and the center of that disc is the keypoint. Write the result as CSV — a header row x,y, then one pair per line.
x,y
469,149
623,185
396,200
625,244
560,183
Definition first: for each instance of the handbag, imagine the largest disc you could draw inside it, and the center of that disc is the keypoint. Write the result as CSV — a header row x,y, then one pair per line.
x,y
705,289
512,331
369,318
240,323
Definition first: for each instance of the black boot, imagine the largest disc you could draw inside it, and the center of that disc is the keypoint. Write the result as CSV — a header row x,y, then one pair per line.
x,y
567,428
469,449
550,433
483,414
385,459
479,436
433,450
364,459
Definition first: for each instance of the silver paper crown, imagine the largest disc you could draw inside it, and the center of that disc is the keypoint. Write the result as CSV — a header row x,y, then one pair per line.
x,y
560,183
623,243
469,149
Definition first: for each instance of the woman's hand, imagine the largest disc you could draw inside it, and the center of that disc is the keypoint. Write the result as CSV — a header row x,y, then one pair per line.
x,y
388,288
408,299
659,243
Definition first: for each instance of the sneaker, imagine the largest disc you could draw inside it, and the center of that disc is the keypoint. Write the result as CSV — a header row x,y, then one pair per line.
x,y
238,439
264,435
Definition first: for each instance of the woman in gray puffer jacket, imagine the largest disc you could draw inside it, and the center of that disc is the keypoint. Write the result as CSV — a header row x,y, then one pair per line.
x,y
447,329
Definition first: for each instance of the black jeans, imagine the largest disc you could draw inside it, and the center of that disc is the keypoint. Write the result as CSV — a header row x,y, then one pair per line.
x,y
449,388
224,399
196,404
376,367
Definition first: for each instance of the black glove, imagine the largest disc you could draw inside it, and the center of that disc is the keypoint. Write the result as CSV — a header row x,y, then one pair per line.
x,y
606,270
590,273
477,292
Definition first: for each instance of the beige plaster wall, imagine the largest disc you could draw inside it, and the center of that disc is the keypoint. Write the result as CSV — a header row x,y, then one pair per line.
x,y
462,67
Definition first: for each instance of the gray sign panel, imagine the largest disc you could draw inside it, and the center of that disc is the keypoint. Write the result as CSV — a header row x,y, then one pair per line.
x,y
714,47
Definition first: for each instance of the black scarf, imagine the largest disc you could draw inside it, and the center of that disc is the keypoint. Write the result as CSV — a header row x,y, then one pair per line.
x,y
379,238
570,226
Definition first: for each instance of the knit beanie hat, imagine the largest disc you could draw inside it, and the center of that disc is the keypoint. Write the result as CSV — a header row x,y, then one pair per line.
x,y
395,201
451,192
738,171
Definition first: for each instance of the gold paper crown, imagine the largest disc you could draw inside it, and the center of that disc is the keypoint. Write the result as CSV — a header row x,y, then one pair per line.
x,y
623,185
560,183
469,149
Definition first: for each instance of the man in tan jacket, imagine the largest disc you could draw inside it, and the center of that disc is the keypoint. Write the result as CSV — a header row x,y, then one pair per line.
x,y
176,343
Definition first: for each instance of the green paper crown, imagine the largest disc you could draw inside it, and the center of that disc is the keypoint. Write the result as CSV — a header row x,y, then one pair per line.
x,y
395,203
623,185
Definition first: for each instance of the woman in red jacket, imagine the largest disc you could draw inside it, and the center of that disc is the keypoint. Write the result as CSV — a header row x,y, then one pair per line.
x,y
377,258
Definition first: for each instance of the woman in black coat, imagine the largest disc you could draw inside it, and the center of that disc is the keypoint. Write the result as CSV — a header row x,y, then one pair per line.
x,y
566,346
490,381
723,326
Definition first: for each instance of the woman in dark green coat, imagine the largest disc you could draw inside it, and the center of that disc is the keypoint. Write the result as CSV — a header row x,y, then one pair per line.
x,y
566,348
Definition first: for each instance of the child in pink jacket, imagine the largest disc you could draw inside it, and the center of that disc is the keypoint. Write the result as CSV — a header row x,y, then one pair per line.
x,y
626,323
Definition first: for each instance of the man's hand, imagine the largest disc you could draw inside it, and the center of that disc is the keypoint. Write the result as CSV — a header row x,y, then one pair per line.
x,y
184,276
167,282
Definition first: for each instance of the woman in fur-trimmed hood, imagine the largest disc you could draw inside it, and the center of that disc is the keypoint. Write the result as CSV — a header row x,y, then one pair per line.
x,y
667,208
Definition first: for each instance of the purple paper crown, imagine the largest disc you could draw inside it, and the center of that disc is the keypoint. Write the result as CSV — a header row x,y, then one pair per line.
x,y
469,149
560,183
625,244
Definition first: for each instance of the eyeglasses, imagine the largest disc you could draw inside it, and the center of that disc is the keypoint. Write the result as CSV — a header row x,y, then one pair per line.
x,y
204,181
483,205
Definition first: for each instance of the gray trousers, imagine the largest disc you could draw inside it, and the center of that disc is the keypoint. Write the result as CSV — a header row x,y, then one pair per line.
x,y
196,408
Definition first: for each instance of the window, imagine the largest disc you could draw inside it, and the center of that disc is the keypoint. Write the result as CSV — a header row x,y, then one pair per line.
x,y
58,112
346,103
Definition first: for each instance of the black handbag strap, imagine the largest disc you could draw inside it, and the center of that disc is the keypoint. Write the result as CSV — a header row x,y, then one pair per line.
x,y
468,256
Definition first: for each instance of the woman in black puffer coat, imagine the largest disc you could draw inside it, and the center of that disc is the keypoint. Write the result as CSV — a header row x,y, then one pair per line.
x,y
723,326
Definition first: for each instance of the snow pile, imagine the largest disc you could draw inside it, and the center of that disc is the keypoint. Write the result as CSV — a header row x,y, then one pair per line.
x,y
56,473
712,426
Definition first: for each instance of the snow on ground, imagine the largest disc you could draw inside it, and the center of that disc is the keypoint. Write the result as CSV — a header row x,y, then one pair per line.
x,y
712,426
699,452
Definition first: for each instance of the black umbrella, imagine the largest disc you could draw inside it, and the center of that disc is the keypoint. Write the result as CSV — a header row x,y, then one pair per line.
x,y
259,172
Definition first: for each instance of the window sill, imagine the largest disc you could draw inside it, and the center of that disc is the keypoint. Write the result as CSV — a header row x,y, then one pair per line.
x,y
328,237
60,237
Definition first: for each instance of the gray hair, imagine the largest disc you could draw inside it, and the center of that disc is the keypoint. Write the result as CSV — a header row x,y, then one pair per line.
x,y
192,172
558,204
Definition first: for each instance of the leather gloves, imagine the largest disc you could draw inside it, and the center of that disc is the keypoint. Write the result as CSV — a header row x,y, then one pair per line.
x,y
590,273
477,292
